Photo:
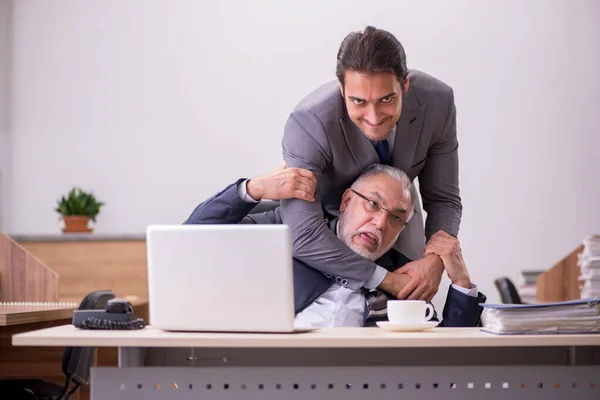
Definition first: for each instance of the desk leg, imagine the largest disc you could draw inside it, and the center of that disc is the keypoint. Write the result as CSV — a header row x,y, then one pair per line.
x,y
132,357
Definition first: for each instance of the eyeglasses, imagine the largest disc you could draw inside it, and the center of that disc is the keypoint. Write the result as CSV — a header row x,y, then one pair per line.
x,y
373,206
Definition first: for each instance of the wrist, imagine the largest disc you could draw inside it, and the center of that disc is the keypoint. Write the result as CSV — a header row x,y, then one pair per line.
x,y
254,189
386,283
435,260
463,281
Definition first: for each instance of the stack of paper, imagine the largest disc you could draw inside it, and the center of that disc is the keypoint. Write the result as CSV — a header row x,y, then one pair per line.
x,y
576,316
589,262
528,285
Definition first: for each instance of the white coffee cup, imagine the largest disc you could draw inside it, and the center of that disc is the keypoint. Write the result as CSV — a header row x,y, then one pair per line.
x,y
409,311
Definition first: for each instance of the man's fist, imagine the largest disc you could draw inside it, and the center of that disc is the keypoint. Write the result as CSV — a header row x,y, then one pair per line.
x,y
447,247
425,276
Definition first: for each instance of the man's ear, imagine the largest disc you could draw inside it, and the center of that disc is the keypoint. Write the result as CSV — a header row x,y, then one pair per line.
x,y
406,84
345,200
342,90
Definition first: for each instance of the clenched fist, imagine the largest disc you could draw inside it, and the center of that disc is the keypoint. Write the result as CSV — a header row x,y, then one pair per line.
x,y
448,249
283,183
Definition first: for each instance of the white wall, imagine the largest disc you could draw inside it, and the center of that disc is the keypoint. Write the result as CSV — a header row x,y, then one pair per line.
x,y
133,100
6,7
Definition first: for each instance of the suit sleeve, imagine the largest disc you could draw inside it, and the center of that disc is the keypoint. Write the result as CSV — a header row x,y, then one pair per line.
x,y
305,145
462,310
225,207
438,179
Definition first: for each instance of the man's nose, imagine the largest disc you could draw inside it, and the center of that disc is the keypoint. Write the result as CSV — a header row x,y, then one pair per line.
x,y
380,219
372,115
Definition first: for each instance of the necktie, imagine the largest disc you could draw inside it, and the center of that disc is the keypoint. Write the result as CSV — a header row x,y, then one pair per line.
x,y
383,151
376,306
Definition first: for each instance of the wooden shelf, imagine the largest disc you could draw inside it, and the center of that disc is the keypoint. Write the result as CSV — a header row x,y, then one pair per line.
x,y
25,314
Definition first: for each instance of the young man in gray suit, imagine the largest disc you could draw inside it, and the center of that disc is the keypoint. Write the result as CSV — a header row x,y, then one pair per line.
x,y
377,112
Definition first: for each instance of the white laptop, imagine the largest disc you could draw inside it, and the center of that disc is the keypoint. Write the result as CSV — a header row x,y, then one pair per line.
x,y
220,278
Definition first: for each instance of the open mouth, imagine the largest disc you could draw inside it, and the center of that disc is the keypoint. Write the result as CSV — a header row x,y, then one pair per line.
x,y
371,241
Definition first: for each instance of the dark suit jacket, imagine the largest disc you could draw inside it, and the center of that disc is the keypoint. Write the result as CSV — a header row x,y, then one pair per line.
x,y
226,207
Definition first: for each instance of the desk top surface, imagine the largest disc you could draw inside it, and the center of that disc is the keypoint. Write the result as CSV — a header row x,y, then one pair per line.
x,y
68,335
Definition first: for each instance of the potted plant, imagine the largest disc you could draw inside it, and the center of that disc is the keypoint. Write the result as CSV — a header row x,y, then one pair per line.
x,y
77,208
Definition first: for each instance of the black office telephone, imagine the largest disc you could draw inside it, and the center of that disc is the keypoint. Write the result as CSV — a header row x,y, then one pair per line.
x,y
117,315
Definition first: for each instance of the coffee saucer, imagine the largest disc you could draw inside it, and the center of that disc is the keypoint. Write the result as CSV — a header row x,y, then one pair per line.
x,y
412,327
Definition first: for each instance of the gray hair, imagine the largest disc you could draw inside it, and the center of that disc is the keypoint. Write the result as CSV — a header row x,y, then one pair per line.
x,y
396,174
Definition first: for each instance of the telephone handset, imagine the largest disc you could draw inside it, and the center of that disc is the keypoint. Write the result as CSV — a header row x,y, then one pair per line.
x,y
118,315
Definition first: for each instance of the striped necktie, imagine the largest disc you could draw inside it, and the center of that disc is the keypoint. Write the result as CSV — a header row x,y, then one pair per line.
x,y
376,306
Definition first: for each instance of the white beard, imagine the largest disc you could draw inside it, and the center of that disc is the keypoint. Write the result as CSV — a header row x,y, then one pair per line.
x,y
361,251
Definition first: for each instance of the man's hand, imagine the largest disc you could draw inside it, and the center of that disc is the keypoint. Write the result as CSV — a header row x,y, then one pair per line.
x,y
284,183
394,283
448,248
425,275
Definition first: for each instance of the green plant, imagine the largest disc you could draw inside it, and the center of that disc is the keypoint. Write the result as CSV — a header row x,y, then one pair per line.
x,y
79,202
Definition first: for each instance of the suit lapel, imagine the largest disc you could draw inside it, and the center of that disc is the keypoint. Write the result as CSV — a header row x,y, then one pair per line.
x,y
408,130
387,261
392,260
360,146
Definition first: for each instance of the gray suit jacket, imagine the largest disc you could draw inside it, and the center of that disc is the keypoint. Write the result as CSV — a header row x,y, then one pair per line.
x,y
320,136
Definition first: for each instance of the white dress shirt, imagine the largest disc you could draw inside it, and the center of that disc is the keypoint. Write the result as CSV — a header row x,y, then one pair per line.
x,y
339,306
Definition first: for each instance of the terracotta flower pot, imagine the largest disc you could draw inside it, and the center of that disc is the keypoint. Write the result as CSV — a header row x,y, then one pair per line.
x,y
76,223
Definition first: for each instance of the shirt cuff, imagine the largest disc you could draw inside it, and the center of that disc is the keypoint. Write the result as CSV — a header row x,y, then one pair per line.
x,y
241,189
376,278
473,292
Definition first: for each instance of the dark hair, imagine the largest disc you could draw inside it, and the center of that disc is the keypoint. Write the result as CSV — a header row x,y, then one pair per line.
x,y
373,50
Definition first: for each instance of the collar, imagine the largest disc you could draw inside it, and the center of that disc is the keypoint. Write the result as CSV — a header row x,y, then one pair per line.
x,y
391,138
333,225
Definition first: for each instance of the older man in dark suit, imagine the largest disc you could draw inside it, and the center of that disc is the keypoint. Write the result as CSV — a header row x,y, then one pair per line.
x,y
373,213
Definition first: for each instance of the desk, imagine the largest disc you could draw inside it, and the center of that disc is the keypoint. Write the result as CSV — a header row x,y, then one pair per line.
x,y
39,362
45,362
339,363
62,269
15,314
